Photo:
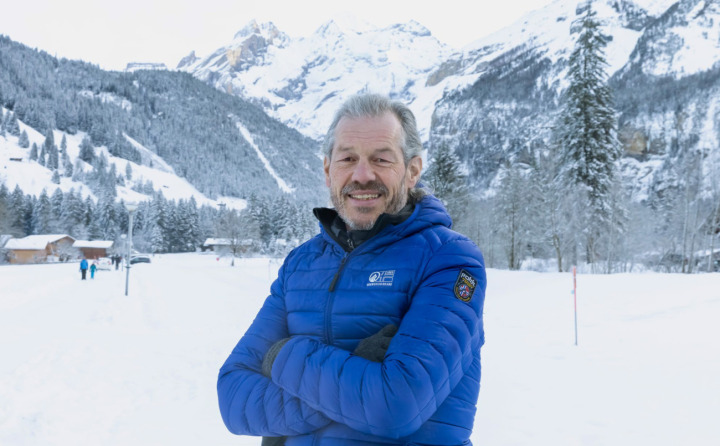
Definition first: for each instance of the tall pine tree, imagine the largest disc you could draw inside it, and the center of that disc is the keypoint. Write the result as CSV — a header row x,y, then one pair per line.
x,y
446,178
586,133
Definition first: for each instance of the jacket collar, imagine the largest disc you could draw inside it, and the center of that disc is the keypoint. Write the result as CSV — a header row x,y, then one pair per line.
x,y
335,226
414,217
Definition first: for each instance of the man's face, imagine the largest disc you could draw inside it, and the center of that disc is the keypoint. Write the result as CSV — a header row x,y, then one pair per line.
x,y
366,173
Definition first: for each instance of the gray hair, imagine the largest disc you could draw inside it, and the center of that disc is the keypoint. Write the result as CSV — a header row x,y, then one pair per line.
x,y
374,105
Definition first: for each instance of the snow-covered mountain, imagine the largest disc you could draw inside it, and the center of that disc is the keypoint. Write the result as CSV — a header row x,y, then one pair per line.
x,y
498,96
303,81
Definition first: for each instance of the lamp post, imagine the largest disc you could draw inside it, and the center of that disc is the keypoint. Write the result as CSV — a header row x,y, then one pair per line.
x,y
131,207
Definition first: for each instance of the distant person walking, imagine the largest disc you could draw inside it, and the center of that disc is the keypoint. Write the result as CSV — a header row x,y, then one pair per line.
x,y
93,268
83,268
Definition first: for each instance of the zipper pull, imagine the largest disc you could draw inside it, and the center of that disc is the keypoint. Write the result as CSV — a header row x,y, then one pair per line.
x,y
337,274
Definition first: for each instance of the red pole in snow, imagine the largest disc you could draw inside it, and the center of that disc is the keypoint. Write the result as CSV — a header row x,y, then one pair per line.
x,y
575,301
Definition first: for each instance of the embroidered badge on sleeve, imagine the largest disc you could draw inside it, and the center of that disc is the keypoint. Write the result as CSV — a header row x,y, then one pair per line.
x,y
465,286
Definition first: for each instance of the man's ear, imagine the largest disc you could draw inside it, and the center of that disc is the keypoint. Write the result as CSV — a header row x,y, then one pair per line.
x,y
414,169
326,169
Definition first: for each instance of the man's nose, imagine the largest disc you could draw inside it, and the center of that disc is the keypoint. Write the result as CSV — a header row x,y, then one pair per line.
x,y
363,172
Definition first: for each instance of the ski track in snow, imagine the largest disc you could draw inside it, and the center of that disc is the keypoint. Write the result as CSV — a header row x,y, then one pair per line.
x,y
248,137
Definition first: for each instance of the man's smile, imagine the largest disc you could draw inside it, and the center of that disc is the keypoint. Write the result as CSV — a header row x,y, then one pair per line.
x,y
364,196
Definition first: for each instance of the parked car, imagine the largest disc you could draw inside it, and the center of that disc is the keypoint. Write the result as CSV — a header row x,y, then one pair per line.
x,y
104,263
139,258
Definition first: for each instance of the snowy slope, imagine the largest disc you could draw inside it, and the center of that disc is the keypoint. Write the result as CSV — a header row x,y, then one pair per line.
x,y
282,184
32,178
84,364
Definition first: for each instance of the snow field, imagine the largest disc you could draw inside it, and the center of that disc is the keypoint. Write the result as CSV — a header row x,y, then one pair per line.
x,y
83,363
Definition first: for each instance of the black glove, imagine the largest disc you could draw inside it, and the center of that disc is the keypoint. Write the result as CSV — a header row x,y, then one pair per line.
x,y
273,441
373,348
270,357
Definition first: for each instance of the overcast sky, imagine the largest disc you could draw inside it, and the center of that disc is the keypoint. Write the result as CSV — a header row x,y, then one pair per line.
x,y
113,33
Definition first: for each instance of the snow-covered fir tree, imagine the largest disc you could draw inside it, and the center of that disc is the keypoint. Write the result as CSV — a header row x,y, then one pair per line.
x,y
23,140
87,151
42,157
11,124
586,129
447,180
49,147
34,152
42,215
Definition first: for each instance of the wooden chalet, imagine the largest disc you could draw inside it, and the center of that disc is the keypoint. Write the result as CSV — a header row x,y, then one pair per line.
x,y
39,248
94,249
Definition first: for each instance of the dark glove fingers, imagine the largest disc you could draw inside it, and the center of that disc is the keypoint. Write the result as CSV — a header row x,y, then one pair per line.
x,y
389,330
270,356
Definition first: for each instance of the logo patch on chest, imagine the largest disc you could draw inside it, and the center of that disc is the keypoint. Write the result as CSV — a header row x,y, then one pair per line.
x,y
465,286
381,278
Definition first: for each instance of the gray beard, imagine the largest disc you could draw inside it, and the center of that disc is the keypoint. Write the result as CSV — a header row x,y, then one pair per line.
x,y
393,207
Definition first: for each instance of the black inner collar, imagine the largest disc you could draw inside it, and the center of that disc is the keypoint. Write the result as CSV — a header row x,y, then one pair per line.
x,y
349,240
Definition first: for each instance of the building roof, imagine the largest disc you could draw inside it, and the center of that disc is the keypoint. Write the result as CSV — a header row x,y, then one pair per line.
x,y
34,242
93,244
4,239
218,241
227,242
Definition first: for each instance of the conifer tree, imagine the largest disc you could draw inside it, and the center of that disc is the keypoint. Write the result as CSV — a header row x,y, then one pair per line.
x,y
72,215
87,151
34,152
13,126
16,212
448,182
56,206
51,150
194,234
586,133
23,140
4,211
42,157
106,218
42,215
67,165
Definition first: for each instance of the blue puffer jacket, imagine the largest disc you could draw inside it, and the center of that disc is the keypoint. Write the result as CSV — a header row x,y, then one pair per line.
x,y
419,275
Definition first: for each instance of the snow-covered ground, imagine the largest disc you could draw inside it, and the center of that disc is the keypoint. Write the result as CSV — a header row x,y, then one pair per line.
x,y
81,363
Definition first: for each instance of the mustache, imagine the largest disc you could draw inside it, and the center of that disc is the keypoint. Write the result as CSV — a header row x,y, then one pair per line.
x,y
369,186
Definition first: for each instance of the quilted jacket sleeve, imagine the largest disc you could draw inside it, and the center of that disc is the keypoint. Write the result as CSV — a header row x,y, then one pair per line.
x,y
425,360
250,403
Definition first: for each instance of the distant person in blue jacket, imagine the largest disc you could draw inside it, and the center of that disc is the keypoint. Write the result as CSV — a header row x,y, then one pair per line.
x,y
83,268
372,331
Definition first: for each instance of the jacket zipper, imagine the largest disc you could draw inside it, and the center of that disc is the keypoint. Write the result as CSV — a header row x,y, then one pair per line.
x,y
331,300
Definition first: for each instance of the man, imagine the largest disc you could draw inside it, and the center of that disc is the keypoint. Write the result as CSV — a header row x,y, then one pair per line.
x,y
372,331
